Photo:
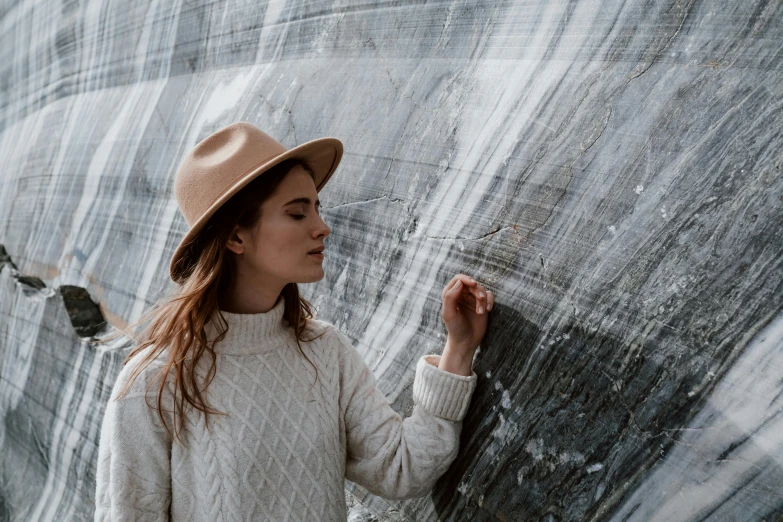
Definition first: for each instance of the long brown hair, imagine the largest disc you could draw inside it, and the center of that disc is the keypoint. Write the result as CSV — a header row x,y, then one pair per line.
x,y
178,320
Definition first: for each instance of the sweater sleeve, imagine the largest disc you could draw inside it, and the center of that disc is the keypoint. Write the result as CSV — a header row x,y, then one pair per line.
x,y
133,478
398,458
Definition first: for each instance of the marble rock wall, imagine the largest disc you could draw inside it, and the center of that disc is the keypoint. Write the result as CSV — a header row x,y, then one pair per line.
x,y
612,170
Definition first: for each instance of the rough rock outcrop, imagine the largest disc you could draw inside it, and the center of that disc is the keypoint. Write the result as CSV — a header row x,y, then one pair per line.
x,y
612,170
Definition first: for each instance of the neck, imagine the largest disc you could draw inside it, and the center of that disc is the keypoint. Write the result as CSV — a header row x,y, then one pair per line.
x,y
251,293
250,333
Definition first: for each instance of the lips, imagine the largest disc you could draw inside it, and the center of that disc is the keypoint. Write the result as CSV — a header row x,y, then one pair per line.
x,y
317,251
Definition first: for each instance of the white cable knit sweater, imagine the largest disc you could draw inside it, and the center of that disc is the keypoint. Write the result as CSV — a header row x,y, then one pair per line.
x,y
287,446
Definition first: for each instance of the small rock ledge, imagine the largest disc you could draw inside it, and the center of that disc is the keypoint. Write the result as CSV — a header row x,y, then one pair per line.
x,y
85,314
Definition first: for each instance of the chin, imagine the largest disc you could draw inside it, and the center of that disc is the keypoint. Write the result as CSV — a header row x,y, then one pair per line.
x,y
312,278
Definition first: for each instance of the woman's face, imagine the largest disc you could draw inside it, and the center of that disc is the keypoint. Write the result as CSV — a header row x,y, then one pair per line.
x,y
275,252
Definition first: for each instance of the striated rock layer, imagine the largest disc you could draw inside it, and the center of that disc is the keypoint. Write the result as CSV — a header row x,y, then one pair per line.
x,y
612,170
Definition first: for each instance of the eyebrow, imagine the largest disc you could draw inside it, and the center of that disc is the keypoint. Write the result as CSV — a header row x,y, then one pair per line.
x,y
306,201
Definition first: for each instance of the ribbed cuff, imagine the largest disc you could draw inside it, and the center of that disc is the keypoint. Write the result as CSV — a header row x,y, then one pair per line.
x,y
442,393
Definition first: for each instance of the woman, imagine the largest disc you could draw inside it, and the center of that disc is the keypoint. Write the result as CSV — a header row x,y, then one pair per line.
x,y
237,335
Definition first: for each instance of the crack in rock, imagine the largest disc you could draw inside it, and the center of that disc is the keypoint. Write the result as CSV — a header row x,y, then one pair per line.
x,y
351,203
479,238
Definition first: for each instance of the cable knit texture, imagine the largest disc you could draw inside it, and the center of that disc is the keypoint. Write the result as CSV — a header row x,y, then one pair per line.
x,y
289,440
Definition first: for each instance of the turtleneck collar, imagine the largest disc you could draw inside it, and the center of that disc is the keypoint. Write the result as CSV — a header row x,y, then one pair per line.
x,y
250,334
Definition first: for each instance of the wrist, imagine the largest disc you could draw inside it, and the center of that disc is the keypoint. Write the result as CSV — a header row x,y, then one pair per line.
x,y
461,349
456,360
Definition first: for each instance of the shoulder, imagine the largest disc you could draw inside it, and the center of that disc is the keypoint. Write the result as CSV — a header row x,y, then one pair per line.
x,y
323,331
330,338
136,401
143,368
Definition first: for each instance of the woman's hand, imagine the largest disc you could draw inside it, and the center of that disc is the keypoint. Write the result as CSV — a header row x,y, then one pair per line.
x,y
465,307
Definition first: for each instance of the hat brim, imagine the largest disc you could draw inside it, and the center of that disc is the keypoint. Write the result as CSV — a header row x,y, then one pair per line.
x,y
323,154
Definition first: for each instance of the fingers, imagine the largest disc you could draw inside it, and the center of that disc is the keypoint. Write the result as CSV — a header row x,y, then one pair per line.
x,y
451,297
467,281
483,299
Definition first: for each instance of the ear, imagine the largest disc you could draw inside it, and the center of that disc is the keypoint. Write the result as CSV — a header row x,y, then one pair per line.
x,y
235,243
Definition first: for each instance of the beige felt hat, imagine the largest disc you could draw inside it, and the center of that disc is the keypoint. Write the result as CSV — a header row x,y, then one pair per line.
x,y
227,160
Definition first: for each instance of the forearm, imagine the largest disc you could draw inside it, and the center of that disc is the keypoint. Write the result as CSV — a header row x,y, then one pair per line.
x,y
398,458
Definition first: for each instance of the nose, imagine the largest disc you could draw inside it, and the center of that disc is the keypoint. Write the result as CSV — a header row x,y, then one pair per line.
x,y
323,229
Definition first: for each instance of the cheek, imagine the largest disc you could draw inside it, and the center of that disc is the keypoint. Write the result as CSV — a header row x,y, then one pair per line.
x,y
280,240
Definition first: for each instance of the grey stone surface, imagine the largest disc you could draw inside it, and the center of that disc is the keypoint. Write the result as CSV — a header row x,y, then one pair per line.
x,y
53,389
612,170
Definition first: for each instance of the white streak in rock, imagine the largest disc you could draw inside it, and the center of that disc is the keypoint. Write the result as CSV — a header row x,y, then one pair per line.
x,y
736,433
155,255
592,468
62,452
506,400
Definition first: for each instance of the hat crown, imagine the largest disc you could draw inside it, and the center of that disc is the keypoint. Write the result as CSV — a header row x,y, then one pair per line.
x,y
216,162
